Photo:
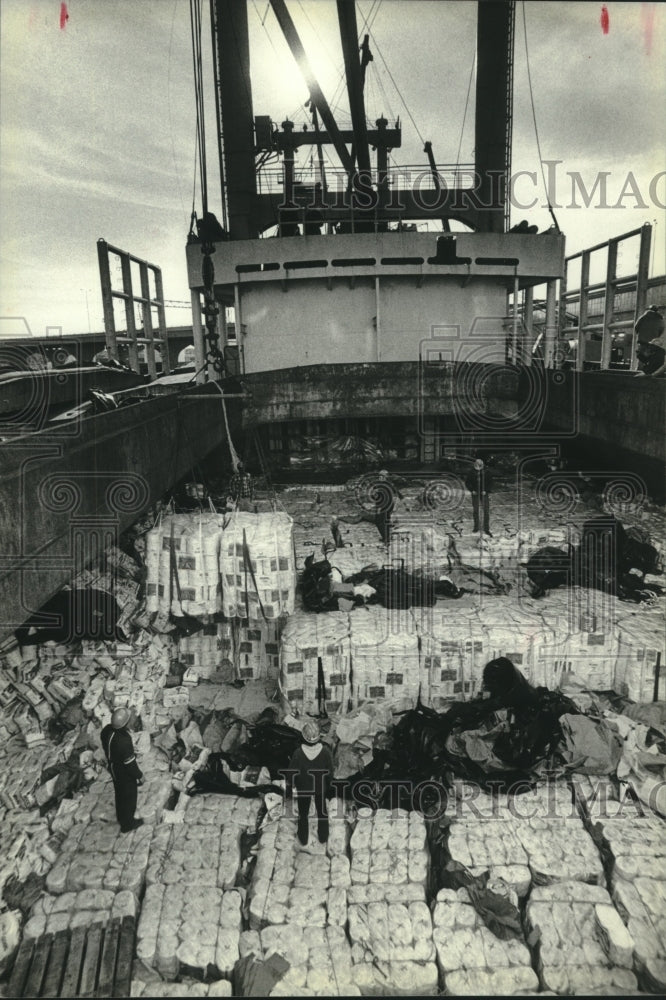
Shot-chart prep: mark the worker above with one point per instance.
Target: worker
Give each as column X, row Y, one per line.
column 479, row 481
column 125, row 773
column 241, row 487
column 311, row 767
column 383, row 494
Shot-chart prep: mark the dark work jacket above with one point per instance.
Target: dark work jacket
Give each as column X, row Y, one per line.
column 483, row 476
column 119, row 750
column 305, row 768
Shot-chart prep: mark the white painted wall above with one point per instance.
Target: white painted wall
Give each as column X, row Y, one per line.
column 309, row 324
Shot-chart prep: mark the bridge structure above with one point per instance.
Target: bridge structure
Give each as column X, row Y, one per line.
column 14, row 351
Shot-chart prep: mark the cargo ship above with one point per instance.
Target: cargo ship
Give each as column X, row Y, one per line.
column 347, row 336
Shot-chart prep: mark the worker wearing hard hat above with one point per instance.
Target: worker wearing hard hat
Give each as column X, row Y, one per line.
column 311, row 768
column 119, row 750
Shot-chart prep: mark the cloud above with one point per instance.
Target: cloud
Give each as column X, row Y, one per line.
column 98, row 119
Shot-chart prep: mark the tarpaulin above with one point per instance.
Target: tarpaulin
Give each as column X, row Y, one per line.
column 589, row 746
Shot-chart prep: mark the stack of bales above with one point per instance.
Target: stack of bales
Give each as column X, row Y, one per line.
column 185, row 988
column 535, row 838
column 182, row 562
column 51, row 914
column 257, row 566
column 456, row 643
column 200, row 653
column 582, row 945
column 422, row 549
column 590, row 655
column 640, row 640
column 319, row 959
column 198, row 929
column 310, row 643
column 451, row 658
column 389, row 922
column 494, row 846
column 301, row 887
column 203, row 854
column 474, row 961
column 221, row 810
column 93, row 856
column 251, row 647
column 195, row 932
column 635, row 848
column 385, row 657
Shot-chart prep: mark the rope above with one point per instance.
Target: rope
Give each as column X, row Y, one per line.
column 536, row 130
column 235, row 460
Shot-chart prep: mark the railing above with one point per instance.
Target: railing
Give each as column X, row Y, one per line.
column 151, row 338
column 611, row 288
column 451, row 175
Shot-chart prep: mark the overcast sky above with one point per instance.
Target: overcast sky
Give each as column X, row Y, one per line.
column 98, row 124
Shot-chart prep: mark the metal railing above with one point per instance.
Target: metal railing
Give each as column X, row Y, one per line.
column 578, row 299
column 149, row 341
column 451, row 175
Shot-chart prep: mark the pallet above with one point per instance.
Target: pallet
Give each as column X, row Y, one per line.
column 94, row 961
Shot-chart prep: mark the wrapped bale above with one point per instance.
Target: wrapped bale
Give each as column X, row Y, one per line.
column 182, row 563
column 389, row 848
column 199, row 933
column 422, row 548
column 639, row 642
column 320, row 959
column 309, row 640
column 289, row 885
column 252, row 648
column 394, row 939
column 574, row 952
column 473, row 961
column 200, row 652
column 642, row 907
column 197, row 855
column 385, row 655
column 591, row 656
column 51, row 914
column 222, row 810
column 447, row 662
column 95, row 856
column 537, row 837
column 560, row 850
column 494, row 846
column 257, row 566
column 635, row 848
column 634, row 845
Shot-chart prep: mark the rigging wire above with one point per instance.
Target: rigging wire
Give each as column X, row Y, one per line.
column 196, row 32
column 319, row 39
column 409, row 114
column 173, row 145
column 536, row 130
column 462, row 130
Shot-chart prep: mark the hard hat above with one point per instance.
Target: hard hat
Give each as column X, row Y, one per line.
column 120, row 718
column 310, row 733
